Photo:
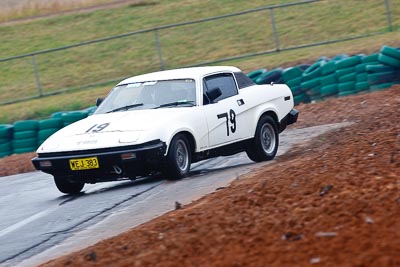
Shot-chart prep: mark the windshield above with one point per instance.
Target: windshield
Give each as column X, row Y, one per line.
column 150, row 95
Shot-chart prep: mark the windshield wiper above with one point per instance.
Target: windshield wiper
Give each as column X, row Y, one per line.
column 126, row 107
column 177, row 103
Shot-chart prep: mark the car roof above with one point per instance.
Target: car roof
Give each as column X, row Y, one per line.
column 184, row 73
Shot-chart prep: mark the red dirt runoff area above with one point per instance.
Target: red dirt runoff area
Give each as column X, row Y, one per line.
column 332, row 202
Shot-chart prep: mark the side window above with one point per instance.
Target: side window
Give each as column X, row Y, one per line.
column 242, row 80
column 225, row 82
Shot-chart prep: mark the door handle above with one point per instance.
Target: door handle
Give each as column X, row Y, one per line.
column 240, row 102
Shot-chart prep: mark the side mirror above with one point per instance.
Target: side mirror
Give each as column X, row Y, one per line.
column 99, row 101
column 214, row 94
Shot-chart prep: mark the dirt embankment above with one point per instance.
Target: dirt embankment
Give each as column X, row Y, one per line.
column 334, row 203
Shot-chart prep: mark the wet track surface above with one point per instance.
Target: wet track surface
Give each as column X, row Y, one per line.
column 39, row 223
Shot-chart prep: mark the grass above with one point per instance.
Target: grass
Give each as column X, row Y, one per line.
column 22, row 9
column 181, row 46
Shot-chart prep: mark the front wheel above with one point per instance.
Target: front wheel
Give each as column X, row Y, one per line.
column 68, row 187
column 178, row 159
column 265, row 144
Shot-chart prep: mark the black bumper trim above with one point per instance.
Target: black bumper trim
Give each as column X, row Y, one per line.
column 148, row 157
column 292, row 116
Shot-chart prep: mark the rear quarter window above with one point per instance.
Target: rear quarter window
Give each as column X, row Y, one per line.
column 242, row 80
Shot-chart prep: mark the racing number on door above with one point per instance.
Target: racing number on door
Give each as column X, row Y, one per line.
column 230, row 119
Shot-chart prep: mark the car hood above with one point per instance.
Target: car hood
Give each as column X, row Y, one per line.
column 141, row 120
column 112, row 130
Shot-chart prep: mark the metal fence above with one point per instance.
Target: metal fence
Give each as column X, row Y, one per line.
column 52, row 71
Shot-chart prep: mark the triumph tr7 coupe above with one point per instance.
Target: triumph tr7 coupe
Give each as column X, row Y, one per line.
column 162, row 122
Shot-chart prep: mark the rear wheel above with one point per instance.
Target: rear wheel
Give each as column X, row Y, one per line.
column 67, row 186
column 178, row 159
column 266, row 140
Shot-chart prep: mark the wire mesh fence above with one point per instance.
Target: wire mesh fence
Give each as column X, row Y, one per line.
column 263, row 30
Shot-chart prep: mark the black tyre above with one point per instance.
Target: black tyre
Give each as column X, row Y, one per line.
column 67, row 186
column 274, row 75
column 178, row 159
column 266, row 140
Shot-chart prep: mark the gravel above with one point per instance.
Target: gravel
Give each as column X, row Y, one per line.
column 276, row 216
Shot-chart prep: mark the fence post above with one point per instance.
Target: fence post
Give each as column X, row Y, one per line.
column 389, row 17
column 159, row 49
column 35, row 69
column 276, row 38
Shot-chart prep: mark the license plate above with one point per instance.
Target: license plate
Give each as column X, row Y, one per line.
column 84, row 164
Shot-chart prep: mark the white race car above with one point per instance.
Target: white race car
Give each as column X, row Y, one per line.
column 162, row 122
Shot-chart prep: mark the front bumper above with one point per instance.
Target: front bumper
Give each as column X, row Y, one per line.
column 113, row 163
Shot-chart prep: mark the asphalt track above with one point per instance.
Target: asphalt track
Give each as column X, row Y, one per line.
column 39, row 223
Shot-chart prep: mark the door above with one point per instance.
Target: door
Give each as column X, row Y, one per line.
column 223, row 113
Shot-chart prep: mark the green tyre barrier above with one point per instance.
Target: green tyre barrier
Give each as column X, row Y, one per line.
column 391, row 61
column 329, row 90
column 5, row 147
column 370, row 58
column 31, row 142
column 314, row 98
column 303, row 67
column 51, row 124
column 25, row 135
column 24, row 150
column 311, row 84
column 58, row 114
column 292, row 73
column 274, row 75
column 314, row 92
column 363, row 66
column 255, row 73
column 345, row 87
column 391, row 52
column 303, row 98
column 379, row 68
column 362, row 86
column 25, row 125
column 348, row 62
column 362, row 77
column 328, row 68
column 324, row 59
column 311, row 87
column 90, row 110
column 5, row 154
column 328, row 79
column 339, row 57
column 312, row 72
column 341, row 72
column 378, row 87
column 348, row 78
column 5, row 140
column 346, row 93
column 46, row 133
column 6, row 131
column 294, row 82
column 383, row 77
column 296, row 90
column 73, row 116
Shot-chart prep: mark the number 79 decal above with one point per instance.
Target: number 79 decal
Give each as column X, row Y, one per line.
column 230, row 119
